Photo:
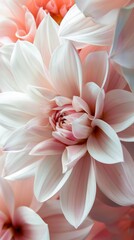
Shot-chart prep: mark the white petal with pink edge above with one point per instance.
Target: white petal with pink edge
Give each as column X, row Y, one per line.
column 103, row 144
column 49, row 178
column 71, row 155
column 78, row 194
column 48, row 30
column 66, row 71
column 27, row 63
column 48, row 147
column 96, row 68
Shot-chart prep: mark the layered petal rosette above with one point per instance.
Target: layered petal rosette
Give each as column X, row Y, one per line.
column 72, row 119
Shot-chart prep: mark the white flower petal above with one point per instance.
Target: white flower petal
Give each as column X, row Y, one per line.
column 78, row 194
column 83, row 30
column 49, row 178
column 103, row 144
column 48, row 31
column 65, row 71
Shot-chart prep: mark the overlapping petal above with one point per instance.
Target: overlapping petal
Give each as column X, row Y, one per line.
column 103, row 144
column 116, row 181
column 49, row 178
column 48, row 30
column 66, row 71
column 78, row 194
column 83, row 30
column 119, row 109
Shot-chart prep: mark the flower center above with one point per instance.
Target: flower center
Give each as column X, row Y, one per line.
column 56, row 8
column 63, row 120
column 15, row 230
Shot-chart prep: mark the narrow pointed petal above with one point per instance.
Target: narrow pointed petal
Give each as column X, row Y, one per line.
column 49, row 178
column 96, row 68
column 26, row 63
column 83, row 30
column 103, row 144
column 72, row 155
column 119, row 109
column 48, row 147
column 60, row 229
column 78, row 194
column 117, row 181
column 17, row 161
column 65, row 71
column 48, row 30
column 7, row 81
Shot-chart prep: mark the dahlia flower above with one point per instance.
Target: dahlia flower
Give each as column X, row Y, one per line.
column 73, row 120
column 18, row 220
column 68, row 111
column 20, row 19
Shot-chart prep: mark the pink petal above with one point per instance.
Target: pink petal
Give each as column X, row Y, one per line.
column 48, row 30
column 80, row 127
column 119, row 109
column 94, row 97
column 8, row 29
column 60, row 229
column 49, row 178
column 8, row 235
column 107, row 214
column 103, row 144
column 65, row 70
column 31, row 225
column 48, row 147
column 72, row 155
column 30, row 28
column 127, row 135
column 80, row 105
column 6, row 196
column 96, row 68
column 117, row 181
column 77, row 196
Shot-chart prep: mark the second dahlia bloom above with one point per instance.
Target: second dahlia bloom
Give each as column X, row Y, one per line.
column 20, row 19
column 74, row 121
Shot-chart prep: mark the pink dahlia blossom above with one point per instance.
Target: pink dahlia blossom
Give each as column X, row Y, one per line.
column 74, row 121
column 17, row 219
column 20, row 19
column 112, row 222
